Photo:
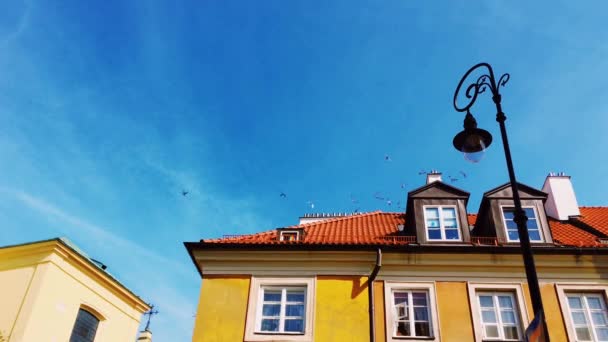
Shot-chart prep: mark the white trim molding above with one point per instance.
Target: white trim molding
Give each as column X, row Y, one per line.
column 512, row 288
column 579, row 288
column 254, row 308
column 429, row 288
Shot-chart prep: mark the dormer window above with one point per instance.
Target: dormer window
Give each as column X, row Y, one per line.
column 290, row 235
column 441, row 223
column 508, row 215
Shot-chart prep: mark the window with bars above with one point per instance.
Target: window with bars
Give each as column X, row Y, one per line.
column 499, row 316
column 282, row 310
column 589, row 316
column 441, row 223
column 508, row 215
column 85, row 327
column 411, row 315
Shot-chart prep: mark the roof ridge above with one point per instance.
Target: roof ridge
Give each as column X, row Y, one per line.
column 341, row 218
column 593, row 207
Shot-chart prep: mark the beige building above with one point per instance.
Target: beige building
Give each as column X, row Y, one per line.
column 52, row 291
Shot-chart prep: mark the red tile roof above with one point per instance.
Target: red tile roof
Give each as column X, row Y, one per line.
column 379, row 228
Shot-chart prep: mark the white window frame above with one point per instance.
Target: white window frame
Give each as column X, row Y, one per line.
column 429, row 287
column 513, row 288
column 536, row 218
column 441, row 225
column 289, row 232
column 254, row 309
column 564, row 289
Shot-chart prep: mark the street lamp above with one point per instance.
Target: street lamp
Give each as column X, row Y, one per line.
column 473, row 141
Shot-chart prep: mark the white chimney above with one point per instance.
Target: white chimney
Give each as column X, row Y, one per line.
column 433, row 176
column 561, row 203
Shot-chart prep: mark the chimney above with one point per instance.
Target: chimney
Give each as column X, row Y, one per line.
column 433, row 176
column 145, row 336
column 561, row 202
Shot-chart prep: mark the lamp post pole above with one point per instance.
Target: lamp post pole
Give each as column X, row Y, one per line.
column 473, row 90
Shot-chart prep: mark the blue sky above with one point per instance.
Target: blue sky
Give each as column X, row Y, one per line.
column 109, row 109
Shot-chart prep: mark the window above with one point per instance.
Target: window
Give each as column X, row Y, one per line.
column 587, row 312
column 498, row 315
column 410, row 311
column 85, row 327
column 508, row 214
column 282, row 310
column 499, row 312
column 280, row 306
column 441, row 223
column 289, row 235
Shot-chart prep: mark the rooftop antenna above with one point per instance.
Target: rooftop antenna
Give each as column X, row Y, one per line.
column 149, row 313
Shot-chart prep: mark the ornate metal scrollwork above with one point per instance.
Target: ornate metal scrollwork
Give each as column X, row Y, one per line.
column 483, row 82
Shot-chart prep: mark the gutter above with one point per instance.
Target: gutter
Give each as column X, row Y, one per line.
column 370, row 296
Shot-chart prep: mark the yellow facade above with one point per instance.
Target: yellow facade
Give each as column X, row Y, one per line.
column 44, row 285
column 341, row 311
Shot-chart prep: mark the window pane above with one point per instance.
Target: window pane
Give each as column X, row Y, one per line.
column 270, row 325
column 534, row 235
column 531, row 224
column 508, row 317
column 295, row 296
column 511, row 225
column 401, row 312
column 400, row 297
column 403, row 329
column 449, row 213
column 579, row 318
column 294, row 325
column 296, row 310
column 422, row 329
column 575, row 302
column 434, row 234
column 511, row 332
column 452, row 234
column 602, row 334
column 508, row 214
column 433, row 223
column 421, row 314
column 271, row 309
column 419, row 298
column 513, row 236
column 486, row 301
column 505, row 302
column 594, row 303
column 432, row 213
column 85, row 327
column 599, row 318
column 583, row 334
column 491, row 331
column 529, row 213
column 449, row 223
column 272, row 295
column 488, row 317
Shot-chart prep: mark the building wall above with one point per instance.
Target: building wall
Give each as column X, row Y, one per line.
column 342, row 311
column 43, row 296
column 454, row 311
column 222, row 309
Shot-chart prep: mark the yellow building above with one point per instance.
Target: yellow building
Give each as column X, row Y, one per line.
column 432, row 273
column 52, row 292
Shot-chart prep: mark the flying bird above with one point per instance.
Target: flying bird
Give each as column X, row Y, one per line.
column 389, row 202
column 311, row 203
column 185, row 192
column 353, row 199
column 378, row 196
column 452, row 179
column 283, row 195
column 387, row 158
column 403, row 185
column 463, row 174
column 422, row 172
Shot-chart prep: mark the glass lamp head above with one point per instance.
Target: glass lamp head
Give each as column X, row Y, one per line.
column 472, row 141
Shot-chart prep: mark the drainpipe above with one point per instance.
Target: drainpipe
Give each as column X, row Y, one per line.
column 370, row 292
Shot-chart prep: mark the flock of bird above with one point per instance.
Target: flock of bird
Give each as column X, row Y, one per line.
column 377, row 195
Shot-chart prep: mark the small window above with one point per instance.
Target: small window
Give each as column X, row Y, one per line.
column 441, row 223
column 588, row 316
column 498, row 311
column 410, row 312
column 283, row 310
column 280, row 309
column 290, row 235
column 499, row 316
column 85, row 327
column 508, row 214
